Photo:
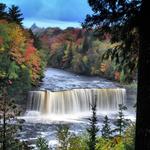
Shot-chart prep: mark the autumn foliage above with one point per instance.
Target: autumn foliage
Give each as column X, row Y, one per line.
column 82, row 52
column 17, row 44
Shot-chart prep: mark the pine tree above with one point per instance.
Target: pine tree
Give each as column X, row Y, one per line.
column 106, row 129
column 93, row 129
column 15, row 15
column 3, row 13
column 8, row 112
column 121, row 123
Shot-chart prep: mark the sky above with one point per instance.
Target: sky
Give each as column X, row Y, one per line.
column 52, row 13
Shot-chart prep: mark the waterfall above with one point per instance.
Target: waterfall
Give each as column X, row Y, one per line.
column 75, row 100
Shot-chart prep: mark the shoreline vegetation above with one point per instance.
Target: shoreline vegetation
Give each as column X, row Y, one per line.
column 82, row 52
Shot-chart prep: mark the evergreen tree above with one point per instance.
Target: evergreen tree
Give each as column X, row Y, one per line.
column 42, row 144
column 8, row 112
column 93, row 129
column 3, row 13
column 106, row 129
column 121, row 123
column 15, row 15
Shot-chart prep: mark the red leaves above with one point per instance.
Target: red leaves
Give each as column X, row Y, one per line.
column 33, row 60
column 19, row 44
column 117, row 75
column 29, row 50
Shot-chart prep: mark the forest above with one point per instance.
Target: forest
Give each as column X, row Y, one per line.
column 107, row 46
column 83, row 52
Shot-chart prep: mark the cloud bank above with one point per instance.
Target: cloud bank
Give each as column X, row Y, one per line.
column 69, row 11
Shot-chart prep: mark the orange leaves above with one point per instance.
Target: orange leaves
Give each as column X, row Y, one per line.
column 33, row 60
column 30, row 49
column 17, row 42
column 20, row 47
column 17, row 35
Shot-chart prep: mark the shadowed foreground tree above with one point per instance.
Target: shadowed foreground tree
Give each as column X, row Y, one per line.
column 127, row 19
column 8, row 130
column 3, row 14
column 106, row 128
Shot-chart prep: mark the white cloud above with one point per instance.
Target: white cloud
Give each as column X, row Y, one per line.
column 51, row 23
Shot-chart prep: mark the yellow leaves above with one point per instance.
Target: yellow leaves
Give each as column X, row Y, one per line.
column 17, row 36
column 85, row 59
column 23, row 66
column 19, row 46
column 2, row 74
column 116, row 143
column 2, row 49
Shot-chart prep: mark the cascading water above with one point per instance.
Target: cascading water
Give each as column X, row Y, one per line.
column 64, row 97
column 75, row 100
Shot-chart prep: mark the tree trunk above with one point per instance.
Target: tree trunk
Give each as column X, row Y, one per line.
column 142, row 141
column 4, row 120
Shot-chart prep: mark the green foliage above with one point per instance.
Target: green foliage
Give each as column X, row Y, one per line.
column 63, row 136
column 121, row 123
column 89, row 141
column 13, row 70
column 124, row 142
column 129, row 137
column 21, row 64
column 68, row 140
column 92, row 129
column 106, row 128
column 42, row 144
column 115, row 143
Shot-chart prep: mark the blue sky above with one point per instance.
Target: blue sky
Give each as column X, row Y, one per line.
column 44, row 13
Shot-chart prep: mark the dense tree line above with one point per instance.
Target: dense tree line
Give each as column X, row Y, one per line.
column 21, row 63
column 83, row 53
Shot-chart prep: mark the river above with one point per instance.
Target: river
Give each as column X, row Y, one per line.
column 64, row 97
